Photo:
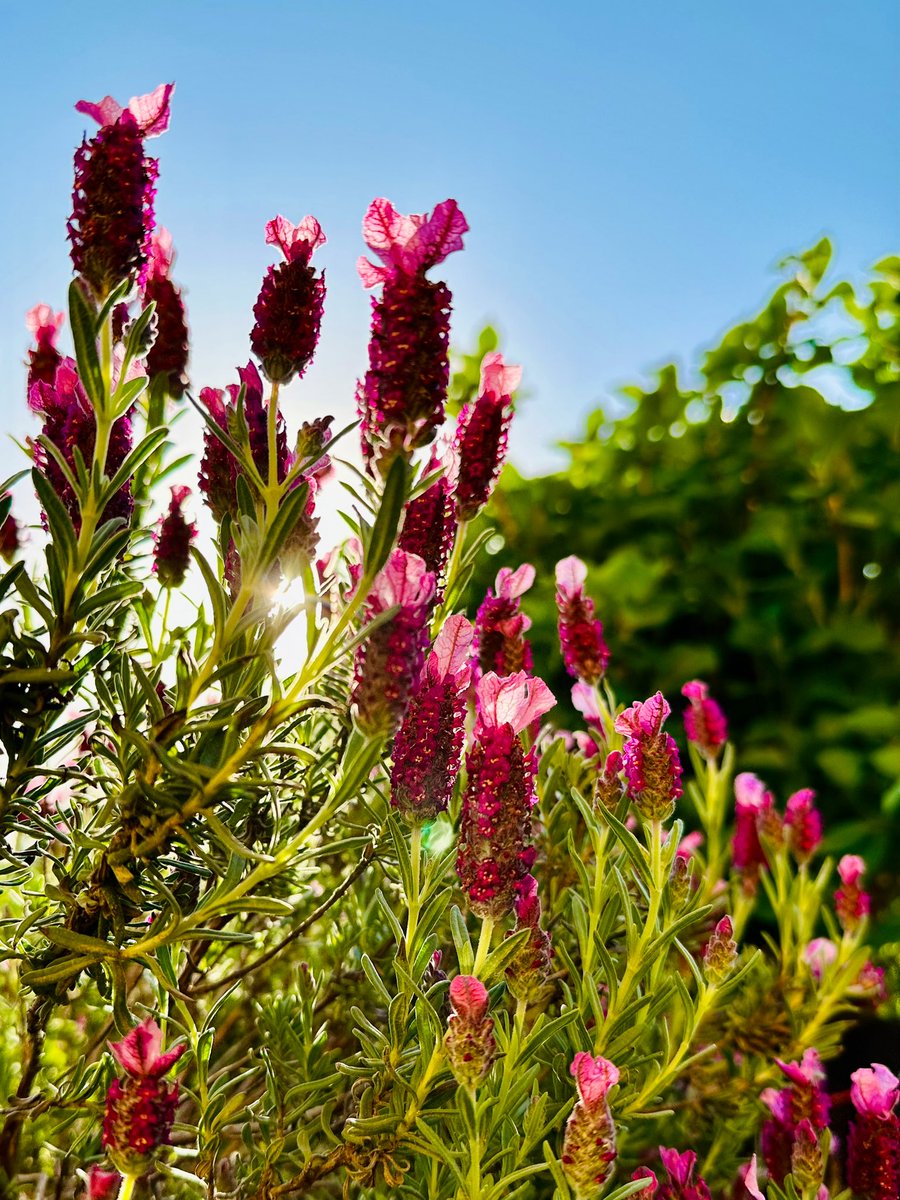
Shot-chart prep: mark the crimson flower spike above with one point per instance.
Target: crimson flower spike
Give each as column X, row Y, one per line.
column 428, row 747
column 429, row 524
column 115, row 184
column 167, row 358
column 389, row 662
column 289, row 309
column 650, row 757
column 481, row 435
column 469, row 1040
column 500, row 625
column 140, row 1107
column 401, row 399
column 172, row 541
column 495, row 852
column 580, row 633
column 704, row 721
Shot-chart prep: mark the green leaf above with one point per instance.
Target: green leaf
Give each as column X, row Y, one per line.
column 82, row 320
column 384, row 531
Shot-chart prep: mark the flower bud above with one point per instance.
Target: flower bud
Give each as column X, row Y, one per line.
column 500, row 626
column 589, row 1145
column 581, row 636
column 803, row 824
column 720, row 954
column 652, row 765
column 469, row 1039
column 704, row 721
column 851, row 903
column 527, row 974
column 807, row 1160
column 481, row 435
column 172, row 549
column 610, row 785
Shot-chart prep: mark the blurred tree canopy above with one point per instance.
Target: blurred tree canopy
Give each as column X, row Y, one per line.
column 745, row 531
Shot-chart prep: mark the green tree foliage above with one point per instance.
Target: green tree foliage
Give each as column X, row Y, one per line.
column 745, row 530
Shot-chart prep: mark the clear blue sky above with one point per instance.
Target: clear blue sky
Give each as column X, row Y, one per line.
column 631, row 171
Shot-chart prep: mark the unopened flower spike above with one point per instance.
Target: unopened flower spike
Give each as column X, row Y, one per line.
column 528, row 973
column 429, row 524
column 851, row 903
column 389, row 662
column 115, row 183
column 140, row 1107
column 469, row 1040
column 289, row 309
column 167, row 358
column 427, row 750
column 753, row 808
column 704, row 721
column 495, row 852
column 589, row 1145
column 652, row 765
column 401, row 399
column 803, row 824
column 580, row 633
column 482, row 430
column 172, row 548
column 500, row 625
column 720, row 954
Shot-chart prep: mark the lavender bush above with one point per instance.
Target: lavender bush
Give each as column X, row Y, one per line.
column 372, row 925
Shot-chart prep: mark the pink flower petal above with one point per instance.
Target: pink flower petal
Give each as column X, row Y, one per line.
column 695, row 690
column 404, row 580
column 371, row 274
column 106, row 112
column 498, row 379
column 584, row 698
column 162, row 253
column 153, row 110
column 511, row 584
column 874, row 1090
column 42, row 317
column 452, row 645
column 851, row 869
column 751, row 1182
column 437, row 236
column 571, row 574
column 306, row 237
column 139, row 1051
column 679, row 1167
column 384, row 229
column 469, row 998
column 594, row 1077
column 515, row 700
column 751, row 793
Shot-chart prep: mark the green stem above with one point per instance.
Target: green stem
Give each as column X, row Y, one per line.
column 128, row 1185
column 484, row 944
column 412, row 901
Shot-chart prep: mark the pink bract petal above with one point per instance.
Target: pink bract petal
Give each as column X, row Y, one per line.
column 851, row 869
column 435, row 238
column 689, row 844
column 404, row 580
column 874, row 1090
column 808, row 1070
column 584, row 697
column 452, row 645
column 679, row 1167
column 571, row 574
column 515, row 700
column 751, row 792
column 695, row 690
column 498, row 379
column 162, row 253
column 594, row 1077
column 371, row 274
column 385, row 230
column 42, row 317
column 307, row 236
column 511, row 584
column 469, row 998
column 139, row 1052
column 105, row 112
column 818, row 955
column 103, row 1185
column 751, row 1182
column 644, row 716
column 153, row 110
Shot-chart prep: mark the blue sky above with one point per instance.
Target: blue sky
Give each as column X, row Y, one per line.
column 631, row 171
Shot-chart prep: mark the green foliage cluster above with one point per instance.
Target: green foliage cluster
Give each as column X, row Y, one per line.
column 744, row 530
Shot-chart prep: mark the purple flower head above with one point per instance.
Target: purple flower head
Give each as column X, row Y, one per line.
column 429, row 524
column 704, row 721
column 527, row 974
column 752, row 804
column 389, row 662
column 44, row 325
column 469, row 1039
column 851, row 903
column 172, row 542
column 652, row 765
column 580, row 633
column 401, row 400
column 681, row 1184
column 500, row 625
column 873, row 1144
column 803, row 824
column 589, row 1145
column 495, row 851
column 289, row 309
column 140, row 1108
column 428, row 747
column 481, row 435
column 167, row 358
column 69, row 422
column 115, row 183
